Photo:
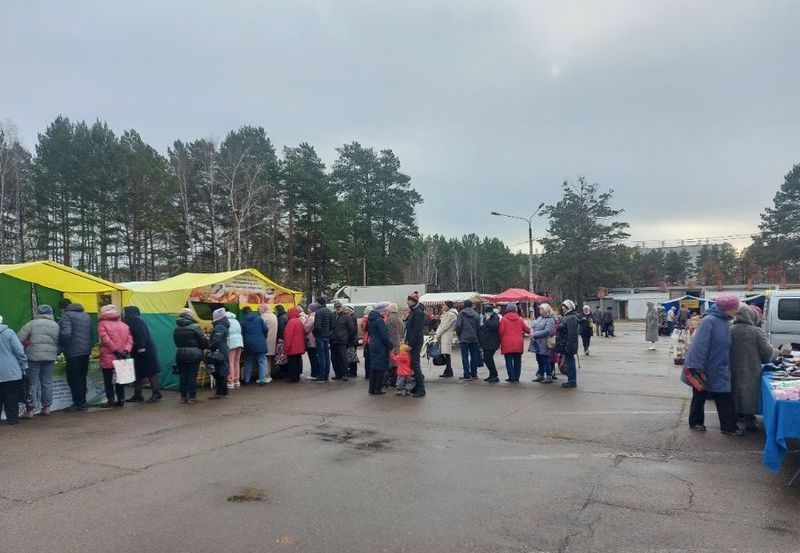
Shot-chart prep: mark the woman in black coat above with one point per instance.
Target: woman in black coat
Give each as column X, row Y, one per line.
column 145, row 356
column 217, row 354
column 379, row 347
column 190, row 342
column 489, row 339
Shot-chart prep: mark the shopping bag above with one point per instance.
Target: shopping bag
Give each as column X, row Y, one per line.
column 123, row 369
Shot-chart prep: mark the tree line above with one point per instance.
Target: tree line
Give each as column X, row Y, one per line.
column 112, row 205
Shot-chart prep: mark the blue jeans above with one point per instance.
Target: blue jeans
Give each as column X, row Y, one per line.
column 323, row 357
column 470, row 356
column 40, row 374
column 513, row 365
column 572, row 373
column 545, row 367
column 249, row 359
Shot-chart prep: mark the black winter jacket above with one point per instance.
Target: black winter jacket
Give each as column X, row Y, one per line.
column 76, row 336
column 189, row 341
column 344, row 329
column 567, row 335
column 145, row 356
column 488, row 333
column 323, row 322
column 415, row 326
column 219, row 342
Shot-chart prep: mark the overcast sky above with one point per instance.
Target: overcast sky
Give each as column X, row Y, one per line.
column 690, row 110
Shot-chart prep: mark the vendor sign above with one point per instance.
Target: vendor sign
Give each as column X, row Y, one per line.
column 690, row 304
column 242, row 289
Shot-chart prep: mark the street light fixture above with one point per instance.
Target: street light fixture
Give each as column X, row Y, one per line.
column 530, row 239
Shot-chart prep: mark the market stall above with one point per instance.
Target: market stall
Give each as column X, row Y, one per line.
column 516, row 295
column 438, row 299
column 692, row 303
column 25, row 286
column 780, row 407
column 161, row 301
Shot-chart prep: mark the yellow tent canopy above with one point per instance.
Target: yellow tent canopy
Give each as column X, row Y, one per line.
column 170, row 295
column 74, row 284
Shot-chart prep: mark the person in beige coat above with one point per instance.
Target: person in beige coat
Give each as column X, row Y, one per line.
column 272, row 334
column 446, row 335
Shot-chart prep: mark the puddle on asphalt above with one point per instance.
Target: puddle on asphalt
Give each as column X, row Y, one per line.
column 360, row 440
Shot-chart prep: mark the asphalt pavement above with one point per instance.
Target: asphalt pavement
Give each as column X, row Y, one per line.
column 473, row 467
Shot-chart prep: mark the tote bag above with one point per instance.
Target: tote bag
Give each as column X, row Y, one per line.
column 123, row 369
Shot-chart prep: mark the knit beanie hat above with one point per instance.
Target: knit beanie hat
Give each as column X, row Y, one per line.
column 186, row 312
column 725, row 303
column 381, row 306
column 44, row 310
column 449, row 303
column 511, row 308
column 219, row 314
column 467, row 303
column 321, row 301
column 569, row 304
column 313, row 307
column 414, row 296
column 103, row 310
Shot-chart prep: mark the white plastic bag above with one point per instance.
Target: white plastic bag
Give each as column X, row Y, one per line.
column 123, row 369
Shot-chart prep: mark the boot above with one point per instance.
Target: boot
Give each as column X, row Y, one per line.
column 155, row 397
column 137, row 397
column 448, row 373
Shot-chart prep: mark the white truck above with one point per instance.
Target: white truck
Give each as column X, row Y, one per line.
column 782, row 318
column 361, row 296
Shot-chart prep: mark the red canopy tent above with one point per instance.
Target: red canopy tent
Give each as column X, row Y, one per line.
column 515, row 295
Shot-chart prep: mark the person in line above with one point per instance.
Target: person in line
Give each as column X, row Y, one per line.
column 671, row 318
column 489, row 339
column 217, row 355
column 749, row 350
column 651, row 326
column 190, row 342
column 543, row 332
column 415, row 336
column 76, row 343
column 396, row 329
column 405, row 374
column 116, row 342
column 13, row 365
column 294, row 343
column 567, row 341
column 512, row 331
column 467, row 324
column 235, row 346
column 352, row 343
column 145, row 356
column 281, row 360
column 597, row 318
column 340, row 338
column 323, row 329
column 365, row 339
column 311, row 342
column 446, row 335
column 254, row 335
column 380, row 348
column 709, row 354
column 40, row 337
column 608, row 323
column 586, row 330
column 271, row 321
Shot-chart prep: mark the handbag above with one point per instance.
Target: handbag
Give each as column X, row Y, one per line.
column 280, row 354
column 551, row 342
column 124, row 371
column 562, row 365
column 352, row 358
column 213, row 357
column 695, row 379
column 440, row 360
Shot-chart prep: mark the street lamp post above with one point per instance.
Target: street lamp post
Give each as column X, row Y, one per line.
column 530, row 240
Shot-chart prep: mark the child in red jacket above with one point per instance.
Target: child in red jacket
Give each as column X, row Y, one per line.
column 405, row 374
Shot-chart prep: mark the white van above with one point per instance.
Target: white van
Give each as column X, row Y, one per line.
column 782, row 318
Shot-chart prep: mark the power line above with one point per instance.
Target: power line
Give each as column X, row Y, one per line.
column 668, row 242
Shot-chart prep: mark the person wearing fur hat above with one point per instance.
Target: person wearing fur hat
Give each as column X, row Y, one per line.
column 190, row 342
column 218, row 352
column 41, row 337
column 415, row 336
column 567, row 341
column 709, row 356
